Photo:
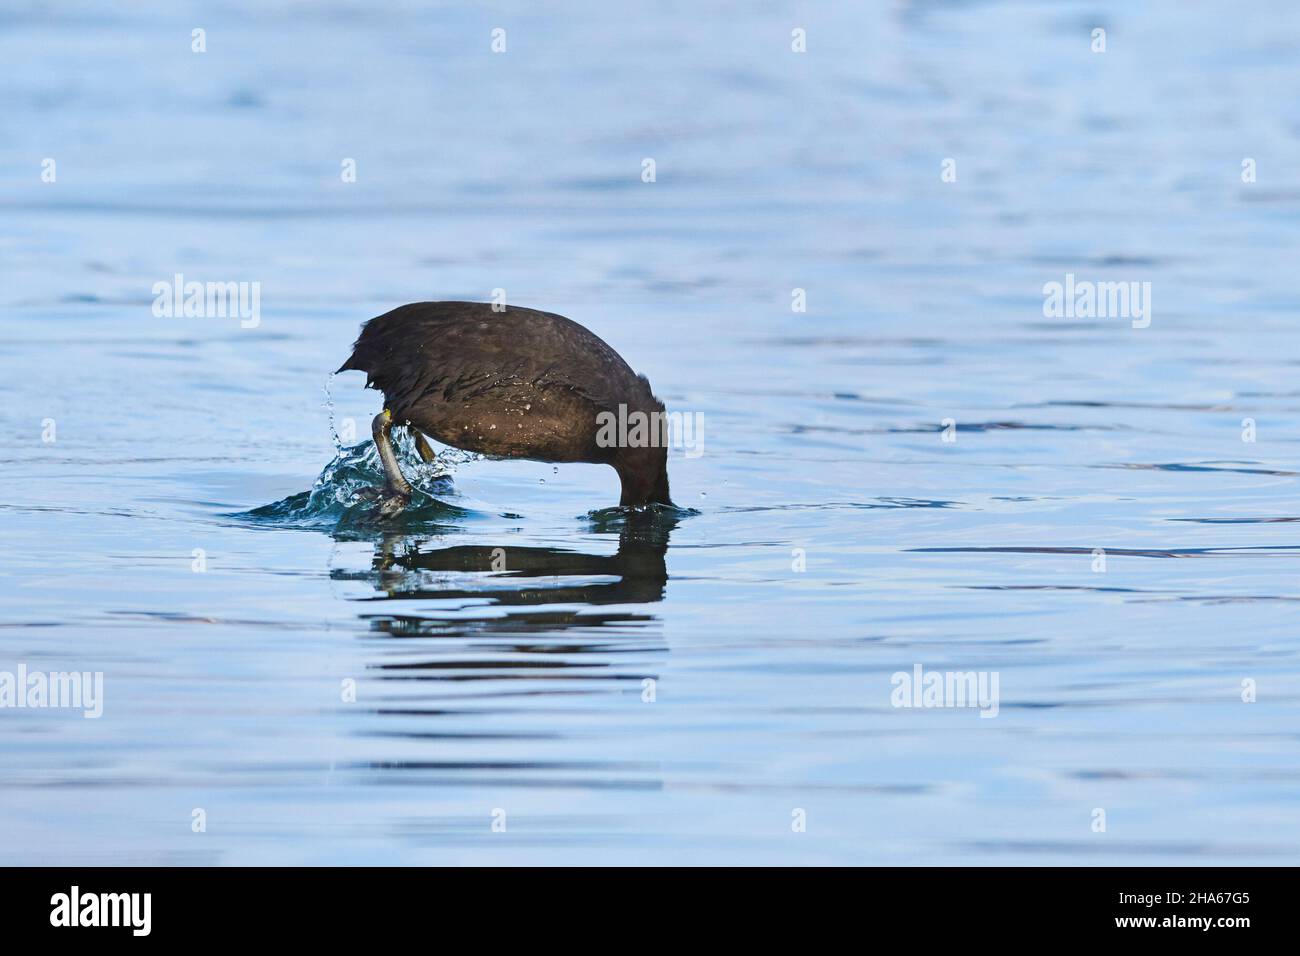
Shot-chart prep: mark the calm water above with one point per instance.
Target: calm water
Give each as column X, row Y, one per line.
column 519, row 695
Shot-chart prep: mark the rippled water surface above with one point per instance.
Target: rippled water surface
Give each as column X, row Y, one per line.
column 610, row 688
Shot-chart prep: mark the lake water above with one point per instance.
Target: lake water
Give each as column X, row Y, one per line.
column 1106, row 524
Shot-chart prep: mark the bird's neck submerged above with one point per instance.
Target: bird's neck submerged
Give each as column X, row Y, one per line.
column 644, row 474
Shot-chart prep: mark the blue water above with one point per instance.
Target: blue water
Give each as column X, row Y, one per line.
column 503, row 713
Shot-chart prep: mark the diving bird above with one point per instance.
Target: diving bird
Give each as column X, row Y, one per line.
column 510, row 383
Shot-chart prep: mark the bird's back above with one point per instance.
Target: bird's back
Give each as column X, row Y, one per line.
column 513, row 383
column 450, row 350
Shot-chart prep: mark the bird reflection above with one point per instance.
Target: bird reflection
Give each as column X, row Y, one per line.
column 410, row 567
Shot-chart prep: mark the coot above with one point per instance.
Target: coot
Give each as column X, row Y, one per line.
column 514, row 383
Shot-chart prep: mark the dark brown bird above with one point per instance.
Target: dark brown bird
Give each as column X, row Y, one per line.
column 515, row 383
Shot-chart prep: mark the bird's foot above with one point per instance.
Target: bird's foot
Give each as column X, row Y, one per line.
column 390, row 502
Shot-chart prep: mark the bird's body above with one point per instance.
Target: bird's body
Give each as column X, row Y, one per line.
column 514, row 383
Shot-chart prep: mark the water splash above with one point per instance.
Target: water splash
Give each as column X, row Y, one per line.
column 328, row 405
column 334, row 499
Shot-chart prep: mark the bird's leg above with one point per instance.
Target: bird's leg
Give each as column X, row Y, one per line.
column 395, row 495
column 422, row 446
